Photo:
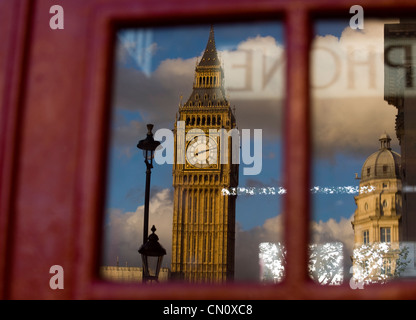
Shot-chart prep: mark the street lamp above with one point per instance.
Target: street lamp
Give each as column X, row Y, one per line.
column 148, row 146
column 152, row 255
column 150, row 248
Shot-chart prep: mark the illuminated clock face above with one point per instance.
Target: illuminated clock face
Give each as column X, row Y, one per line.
column 201, row 152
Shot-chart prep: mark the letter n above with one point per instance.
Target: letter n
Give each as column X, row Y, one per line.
column 57, row 21
column 57, row 280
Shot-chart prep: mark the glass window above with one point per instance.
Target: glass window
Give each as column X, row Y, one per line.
column 361, row 102
column 386, row 269
column 163, row 77
column 366, row 237
column 385, row 235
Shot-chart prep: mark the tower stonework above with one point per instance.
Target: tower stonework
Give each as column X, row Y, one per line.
column 203, row 235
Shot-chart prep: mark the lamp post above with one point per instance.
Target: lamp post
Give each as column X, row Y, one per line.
column 150, row 246
column 148, row 145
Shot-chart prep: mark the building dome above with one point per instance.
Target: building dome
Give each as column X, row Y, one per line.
column 383, row 164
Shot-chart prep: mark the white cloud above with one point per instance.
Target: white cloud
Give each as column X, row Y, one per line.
column 255, row 70
column 334, row 231
column 349, row 111
column 124, row 230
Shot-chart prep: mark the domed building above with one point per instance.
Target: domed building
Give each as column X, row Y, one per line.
column 377, row 219
column 379, row 202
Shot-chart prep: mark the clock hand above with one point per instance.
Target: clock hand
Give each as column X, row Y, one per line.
column 197, row 153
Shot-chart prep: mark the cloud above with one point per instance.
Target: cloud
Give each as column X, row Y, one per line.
column 123, row 236
column 156, row 97
column 334, row 231
column 348, row 107
column 124, row 230
column 247, row 242
column 247, row 247
column 255, row 69
column 351, row 126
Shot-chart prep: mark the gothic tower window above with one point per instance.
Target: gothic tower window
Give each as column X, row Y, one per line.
column 205, row 208
column 204, row 249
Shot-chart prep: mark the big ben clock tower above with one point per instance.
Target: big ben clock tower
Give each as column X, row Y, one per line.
column 203, row 237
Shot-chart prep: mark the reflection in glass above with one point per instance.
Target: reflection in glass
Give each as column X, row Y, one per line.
column 214, row 95
column 362, row 130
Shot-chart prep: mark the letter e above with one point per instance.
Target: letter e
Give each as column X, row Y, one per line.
column 57, row 280
column 57, row 21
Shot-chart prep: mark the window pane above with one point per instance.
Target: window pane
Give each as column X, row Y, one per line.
column 363, row 168
column 214, row 95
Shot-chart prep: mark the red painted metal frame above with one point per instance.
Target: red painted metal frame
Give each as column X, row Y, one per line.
column 54, row 89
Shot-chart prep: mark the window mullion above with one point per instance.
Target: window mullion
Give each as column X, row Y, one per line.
column 297, row 146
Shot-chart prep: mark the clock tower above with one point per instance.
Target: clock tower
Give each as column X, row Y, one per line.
column 203, row 237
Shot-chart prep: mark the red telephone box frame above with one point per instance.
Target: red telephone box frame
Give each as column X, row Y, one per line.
column 54, row 90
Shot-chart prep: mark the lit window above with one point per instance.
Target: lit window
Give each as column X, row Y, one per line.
column 386, row 269
column 385, row 235
column 366, row 237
